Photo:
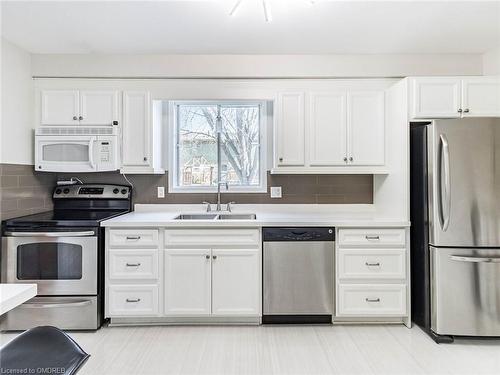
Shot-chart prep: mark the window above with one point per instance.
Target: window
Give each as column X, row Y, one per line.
column 217, row 142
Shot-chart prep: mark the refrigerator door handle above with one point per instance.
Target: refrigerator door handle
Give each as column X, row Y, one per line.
column 445, row 169
column 460, row 258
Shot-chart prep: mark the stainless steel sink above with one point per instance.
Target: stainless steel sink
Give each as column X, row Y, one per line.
column 196, row 217
column 237, row 217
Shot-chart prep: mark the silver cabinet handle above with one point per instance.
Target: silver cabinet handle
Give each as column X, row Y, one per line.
column 372, row 299
column 75, row 118
column 372, row 238
column 51, row 234
column 133, row 264
column 466, row 110
column 214, row 257
column 133, row 237
column 80, row 118
column 37, row 305
column 459, row 110
column 345, row 159
column 460, row 258
column 372, row 264
column 351, row 158
column 133, row 300
column 145, row 158
column 445, row 159
column 207, row 256
column 280, row 159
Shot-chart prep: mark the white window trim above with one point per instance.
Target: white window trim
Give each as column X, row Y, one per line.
column 173, row 186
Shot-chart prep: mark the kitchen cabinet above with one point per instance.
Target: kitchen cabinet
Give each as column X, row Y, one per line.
column 79, row 107
column 235, row 284
column 141, row 134
column 289, row 135
column 344, row 132
column 187, row 282
column 454, row 97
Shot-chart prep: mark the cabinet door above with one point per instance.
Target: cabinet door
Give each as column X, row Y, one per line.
column 235, row 282
column 481, row 97
column 187, row 282
column 327, row 129
column 436, row 97
column 289, row 138
column 98, row 107
column 59, row 107
column 136, row 128
column 366, row 128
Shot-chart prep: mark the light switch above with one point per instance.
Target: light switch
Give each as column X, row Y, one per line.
column 161, row 191
column 275, row 191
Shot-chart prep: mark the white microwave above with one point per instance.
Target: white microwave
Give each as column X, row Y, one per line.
column 63, row 149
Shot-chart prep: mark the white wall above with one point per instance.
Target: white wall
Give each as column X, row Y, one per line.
column 17, row 105
column 491, row 62
column 254, row 66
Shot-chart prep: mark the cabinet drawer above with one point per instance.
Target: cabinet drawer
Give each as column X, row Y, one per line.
column 133, row 264
column 371, row 300
column 133, row 237
column 133, row 300
column 210, row 237
column 371, row 263
column 372, row 237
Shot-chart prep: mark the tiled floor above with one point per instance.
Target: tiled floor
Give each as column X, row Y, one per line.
column 281, row 350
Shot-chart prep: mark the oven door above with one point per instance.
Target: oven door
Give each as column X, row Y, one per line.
column 60, row 263
column 65, row 153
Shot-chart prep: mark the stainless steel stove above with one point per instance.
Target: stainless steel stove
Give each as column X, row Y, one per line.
column 62, row 251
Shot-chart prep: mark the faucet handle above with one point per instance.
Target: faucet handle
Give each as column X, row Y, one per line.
column 209, row 206
column 229, row 206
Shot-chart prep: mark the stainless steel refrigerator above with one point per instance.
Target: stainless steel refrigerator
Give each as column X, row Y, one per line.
column 455, row 236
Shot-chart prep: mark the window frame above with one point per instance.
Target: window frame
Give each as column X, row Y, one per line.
column 173, row 183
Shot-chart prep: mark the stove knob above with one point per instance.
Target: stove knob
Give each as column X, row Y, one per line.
column 124, row 191
column 115, row 191
column 58, row 191
column 66, row 191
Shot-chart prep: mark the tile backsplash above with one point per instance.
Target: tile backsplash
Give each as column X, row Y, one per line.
column 24, row 191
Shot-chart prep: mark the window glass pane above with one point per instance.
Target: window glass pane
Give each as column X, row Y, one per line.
column 49, row 261
column 240, row 164
column 197, row 145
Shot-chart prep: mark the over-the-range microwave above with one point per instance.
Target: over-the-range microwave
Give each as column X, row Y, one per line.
column 76, row 149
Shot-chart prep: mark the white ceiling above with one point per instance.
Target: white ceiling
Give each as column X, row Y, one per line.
column 204, row 27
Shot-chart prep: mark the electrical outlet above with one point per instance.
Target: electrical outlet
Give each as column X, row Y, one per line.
column 275, row 191
column 161, row 191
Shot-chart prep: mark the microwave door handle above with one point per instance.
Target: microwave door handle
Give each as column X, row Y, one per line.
column 87, row 233
column 91, row 152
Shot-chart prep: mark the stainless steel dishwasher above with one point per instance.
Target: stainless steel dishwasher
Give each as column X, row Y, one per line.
column 298, row 275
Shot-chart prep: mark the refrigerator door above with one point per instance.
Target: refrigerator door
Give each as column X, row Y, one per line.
column 465, row 291
column 464, row 182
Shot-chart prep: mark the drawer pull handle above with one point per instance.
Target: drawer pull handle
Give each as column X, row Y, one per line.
column 372, row 238
column 133, row 264
column 133, row 300
column 372, row 264
column 133, row 237
column 372, row 299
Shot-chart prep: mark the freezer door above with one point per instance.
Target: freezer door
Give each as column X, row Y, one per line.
column 464, row 182
column 465, row 291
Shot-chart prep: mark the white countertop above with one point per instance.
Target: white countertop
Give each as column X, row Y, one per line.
column 13, row 295
column 163, row 215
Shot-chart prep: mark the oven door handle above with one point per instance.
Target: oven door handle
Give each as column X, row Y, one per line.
column 87, row 233
column 35, row 305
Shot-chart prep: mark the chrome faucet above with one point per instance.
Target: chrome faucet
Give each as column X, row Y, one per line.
column 218, row 193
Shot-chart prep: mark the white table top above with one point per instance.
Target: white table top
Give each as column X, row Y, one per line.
column 13, row 295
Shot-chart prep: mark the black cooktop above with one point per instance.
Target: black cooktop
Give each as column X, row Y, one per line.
column 65, row 218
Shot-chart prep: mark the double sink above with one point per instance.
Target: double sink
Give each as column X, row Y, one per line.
column 216, row 217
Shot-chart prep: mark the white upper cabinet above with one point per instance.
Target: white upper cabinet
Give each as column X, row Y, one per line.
column 454, row 97
column 76, row 107
column 235, row 282
column 481, row 97
column 98, row 107
column 289, row 150
column 59, row 107
column 436, row 97
column 327, row 129
column 366, row 128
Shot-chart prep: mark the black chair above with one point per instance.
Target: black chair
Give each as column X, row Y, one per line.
column 42, row 348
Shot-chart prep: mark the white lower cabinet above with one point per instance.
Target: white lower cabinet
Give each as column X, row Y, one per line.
column 187, row 282
column 235, row 282
column 371, row 300
column 133, row 300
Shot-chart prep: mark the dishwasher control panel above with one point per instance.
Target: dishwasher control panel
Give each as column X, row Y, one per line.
column 298, row 234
